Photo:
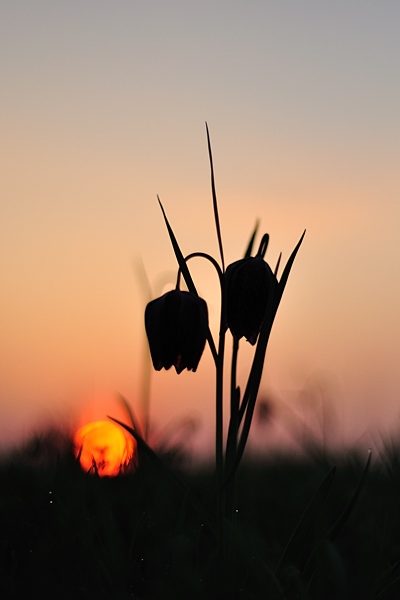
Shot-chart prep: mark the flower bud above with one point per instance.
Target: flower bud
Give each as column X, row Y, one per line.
column 176, row 327
column 248, row 282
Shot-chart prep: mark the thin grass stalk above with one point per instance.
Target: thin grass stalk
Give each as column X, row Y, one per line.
column 146, row 359
column 386, row 579
column 306, row 521
column 132, row 417
column 145, row 391
column 340, row 523
column 342, row 520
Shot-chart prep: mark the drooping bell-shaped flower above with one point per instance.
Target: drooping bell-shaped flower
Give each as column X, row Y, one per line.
column 176, row 327
column 249, row 282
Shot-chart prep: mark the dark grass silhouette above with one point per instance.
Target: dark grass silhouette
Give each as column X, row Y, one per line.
column 69, row 534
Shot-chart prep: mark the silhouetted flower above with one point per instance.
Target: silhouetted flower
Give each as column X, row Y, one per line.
column 249, row 283
column 176, row 327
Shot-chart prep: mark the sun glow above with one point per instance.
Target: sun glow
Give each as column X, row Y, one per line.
column 104, row 448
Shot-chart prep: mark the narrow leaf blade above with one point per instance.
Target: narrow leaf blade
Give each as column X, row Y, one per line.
column 340, row 523
column 185, row 272
column 215, row 204
column 304, row 526
column 286, row 271
column 251, row 241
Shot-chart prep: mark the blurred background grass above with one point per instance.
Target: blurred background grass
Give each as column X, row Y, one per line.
column 69, row 534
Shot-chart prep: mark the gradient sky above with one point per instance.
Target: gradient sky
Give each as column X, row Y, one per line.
column 103, row 107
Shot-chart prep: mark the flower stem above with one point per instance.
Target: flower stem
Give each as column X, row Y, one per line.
column 219, row 422
column 219, row 451
column 231, row 445
column 219, row 427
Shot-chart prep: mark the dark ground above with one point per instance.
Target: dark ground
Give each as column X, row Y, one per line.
column 66, row 534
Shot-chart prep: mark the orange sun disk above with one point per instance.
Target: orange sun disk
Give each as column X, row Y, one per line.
column 103, row 446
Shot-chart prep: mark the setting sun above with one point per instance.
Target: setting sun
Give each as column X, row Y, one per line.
column 104, row 447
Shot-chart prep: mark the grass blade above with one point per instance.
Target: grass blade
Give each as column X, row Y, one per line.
column 327, row 541
column 186, row 274
column 387, row 579
column 304, row 526
column 286, row 271
column 179, row 256
column 132, row 417
column 249, row 248
column 340, row 523
column 215, row 204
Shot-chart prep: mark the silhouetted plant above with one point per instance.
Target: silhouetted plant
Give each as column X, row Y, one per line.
column 177, row 328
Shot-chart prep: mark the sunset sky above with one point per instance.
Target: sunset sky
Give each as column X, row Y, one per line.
column 103, row 106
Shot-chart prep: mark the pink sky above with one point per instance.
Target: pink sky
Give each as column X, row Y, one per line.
column 103, row 107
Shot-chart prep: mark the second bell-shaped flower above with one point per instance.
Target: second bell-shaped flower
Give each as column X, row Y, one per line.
column 176, row 327
column 249, row 282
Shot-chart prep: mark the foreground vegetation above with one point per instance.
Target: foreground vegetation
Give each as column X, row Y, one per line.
column 70, row 534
